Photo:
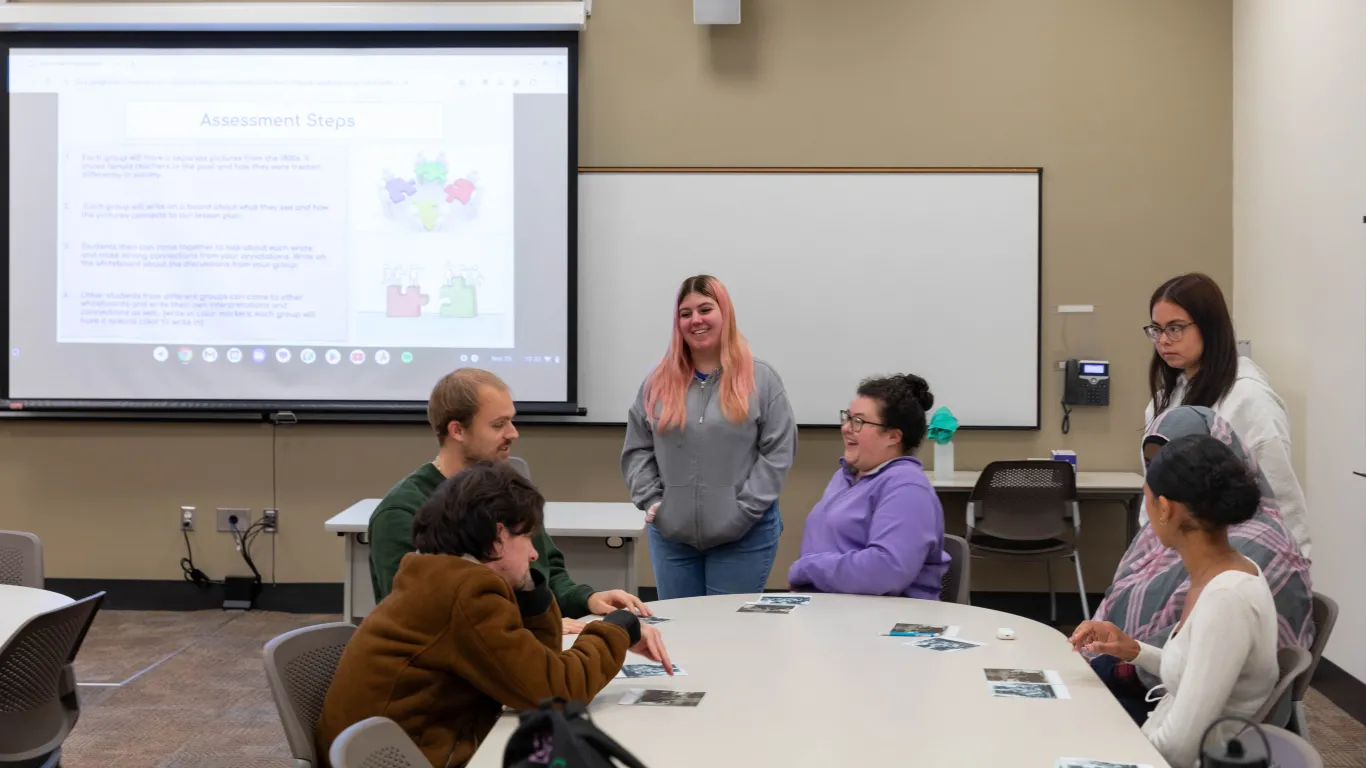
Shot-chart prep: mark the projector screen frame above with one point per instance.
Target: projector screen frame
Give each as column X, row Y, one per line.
column 287, row 411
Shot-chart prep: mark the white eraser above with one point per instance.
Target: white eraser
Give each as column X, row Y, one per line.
column 1005, row 633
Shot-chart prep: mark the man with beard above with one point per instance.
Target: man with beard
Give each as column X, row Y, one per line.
column 471, row 411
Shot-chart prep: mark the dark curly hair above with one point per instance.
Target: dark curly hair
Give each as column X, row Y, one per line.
column 462, row 517
column 1202, row 473
column 902, row 402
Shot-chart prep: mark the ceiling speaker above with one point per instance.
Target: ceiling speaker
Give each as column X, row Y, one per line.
column 716, row 11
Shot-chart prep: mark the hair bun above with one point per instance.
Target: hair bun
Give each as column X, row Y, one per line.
column 1205, row 475
column 920, row 390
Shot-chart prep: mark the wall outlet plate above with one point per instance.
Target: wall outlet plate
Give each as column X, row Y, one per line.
column 187, row 518
column 225, row 514
column 270, row 520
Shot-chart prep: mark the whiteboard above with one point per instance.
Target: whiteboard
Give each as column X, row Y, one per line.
column 835, row 276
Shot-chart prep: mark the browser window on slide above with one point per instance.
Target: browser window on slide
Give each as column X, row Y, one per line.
column 234, row 224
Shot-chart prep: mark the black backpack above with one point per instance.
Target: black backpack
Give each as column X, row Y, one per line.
column 559, row 734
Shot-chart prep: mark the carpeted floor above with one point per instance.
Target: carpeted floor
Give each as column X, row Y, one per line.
column 187, row 690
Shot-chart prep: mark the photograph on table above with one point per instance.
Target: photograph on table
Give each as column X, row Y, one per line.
column 647, row 669
column 758, row 608
column 1026, row 684
column 653, row 619
column 922, row 630
column 655, row 697
column 944, row 644
column 783, row 600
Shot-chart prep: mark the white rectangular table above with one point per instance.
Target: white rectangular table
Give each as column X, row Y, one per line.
column 1121, row 487
column 585, row 532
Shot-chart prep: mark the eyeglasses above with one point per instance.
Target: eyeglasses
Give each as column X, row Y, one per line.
column 1173, row 332
column 856, row 422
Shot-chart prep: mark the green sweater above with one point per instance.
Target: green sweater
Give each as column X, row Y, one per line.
column 391, row 537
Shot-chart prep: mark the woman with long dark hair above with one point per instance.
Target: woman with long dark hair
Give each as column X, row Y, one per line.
column 1195, row 362
column 709, row 442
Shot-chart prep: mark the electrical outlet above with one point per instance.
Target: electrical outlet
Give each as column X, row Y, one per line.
column 270, row 520
column 226, row 516
column 187, row 518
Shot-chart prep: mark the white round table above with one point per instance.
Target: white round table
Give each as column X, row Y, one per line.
column 19, row 604
column 821, row 686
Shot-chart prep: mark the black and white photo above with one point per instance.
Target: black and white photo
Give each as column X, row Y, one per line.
column 919, row 630
column 1016, row 675
column 655, row 697
column 944, row 644
column 1023, row 691
column 764, row 608
column 653, row 619
column 647, row 669
column 783, row 600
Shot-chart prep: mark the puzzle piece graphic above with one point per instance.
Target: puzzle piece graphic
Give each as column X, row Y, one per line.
column 430, row 170
column 399, row 188
column 460, row 299
column 405, row 302
column 461, row 190
column 428, row 212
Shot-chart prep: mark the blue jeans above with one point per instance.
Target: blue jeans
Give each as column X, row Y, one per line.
column 738, row 568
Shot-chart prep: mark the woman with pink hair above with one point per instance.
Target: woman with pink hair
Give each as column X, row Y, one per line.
column 709, row 442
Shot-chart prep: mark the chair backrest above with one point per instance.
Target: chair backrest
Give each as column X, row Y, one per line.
column 518, row 463
column 1293, row 663
column 376, row 742
column 1325, row 616
column 299, row 668
column 1024, row 500
column 36, row 709
column 1287, row 749
column 958, row 578
column 21, row 559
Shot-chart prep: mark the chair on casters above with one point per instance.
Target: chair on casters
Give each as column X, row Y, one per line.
column 1287, row 749
column 299, row 668
column 1294, row 664
column 958, row 578
column 21, row 559
column 1019, row 509
column 38, row 702
column 1325, row 616
column 376, row 742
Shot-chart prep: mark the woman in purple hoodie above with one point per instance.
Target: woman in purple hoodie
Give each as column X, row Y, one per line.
column 879, row 528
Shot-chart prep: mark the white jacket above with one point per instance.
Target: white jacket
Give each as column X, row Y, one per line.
column 1258, row 415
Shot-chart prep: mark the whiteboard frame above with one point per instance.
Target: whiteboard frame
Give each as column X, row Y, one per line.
column 589, row 421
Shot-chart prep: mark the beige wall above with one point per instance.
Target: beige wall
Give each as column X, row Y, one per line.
column 1298, row 242
column 1126, row 105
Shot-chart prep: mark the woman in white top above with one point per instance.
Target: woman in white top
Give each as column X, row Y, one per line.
column 1195, row 362
column 1221, row 657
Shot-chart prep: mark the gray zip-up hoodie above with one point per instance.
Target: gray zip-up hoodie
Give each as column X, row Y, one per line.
column 715, row 478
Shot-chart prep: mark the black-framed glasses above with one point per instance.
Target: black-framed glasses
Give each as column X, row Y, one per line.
column 1174, row 332
column 856, row 422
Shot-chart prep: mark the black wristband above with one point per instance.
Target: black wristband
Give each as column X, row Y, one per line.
column 538, row 599
column 627, row 621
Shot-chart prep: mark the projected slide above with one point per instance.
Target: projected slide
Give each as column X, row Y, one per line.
column 234, row 225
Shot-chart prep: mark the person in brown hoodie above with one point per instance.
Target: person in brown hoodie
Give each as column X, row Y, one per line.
column 471, row 627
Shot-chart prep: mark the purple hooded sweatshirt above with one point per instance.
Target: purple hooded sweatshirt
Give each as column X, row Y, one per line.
column 882, row 534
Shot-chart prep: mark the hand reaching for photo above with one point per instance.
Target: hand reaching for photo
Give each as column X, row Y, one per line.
column 1104, row 637
column 603, row 603
column 571, row 626
column 651, row 646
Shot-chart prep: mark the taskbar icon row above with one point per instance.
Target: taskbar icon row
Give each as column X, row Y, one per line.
column 281, row 355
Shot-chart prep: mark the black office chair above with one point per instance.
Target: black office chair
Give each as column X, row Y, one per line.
column 1022, row 510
